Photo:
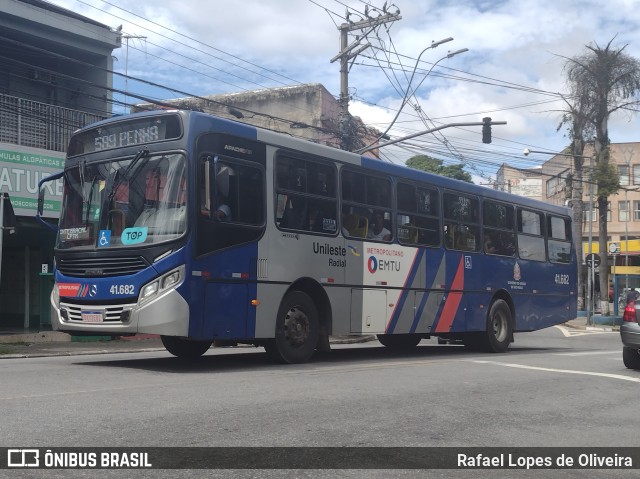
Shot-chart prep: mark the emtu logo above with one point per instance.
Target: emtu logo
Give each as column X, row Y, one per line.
column 372, row 264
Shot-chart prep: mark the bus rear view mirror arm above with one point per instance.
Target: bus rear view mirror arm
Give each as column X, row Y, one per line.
column 41, row 199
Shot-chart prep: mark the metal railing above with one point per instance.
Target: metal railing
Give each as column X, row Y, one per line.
column 40, row 125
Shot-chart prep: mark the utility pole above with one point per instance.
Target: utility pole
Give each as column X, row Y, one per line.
column 349, row 52
column 126, row 63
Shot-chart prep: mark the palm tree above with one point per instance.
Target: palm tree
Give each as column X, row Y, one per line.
column 609, row 80
column 576, row 116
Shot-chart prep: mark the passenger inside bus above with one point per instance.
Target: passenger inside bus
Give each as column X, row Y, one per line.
column 355, row 225
column 489, row 248
column 223, row 211
column 378, row 232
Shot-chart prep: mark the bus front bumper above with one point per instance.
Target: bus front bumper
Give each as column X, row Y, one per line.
column 166, row 315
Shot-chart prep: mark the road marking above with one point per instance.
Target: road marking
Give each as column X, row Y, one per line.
column 588, row 353
column 564, row 371
column 571, row 332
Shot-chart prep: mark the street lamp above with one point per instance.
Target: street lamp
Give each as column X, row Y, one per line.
column 411, row 91
column 590, row 269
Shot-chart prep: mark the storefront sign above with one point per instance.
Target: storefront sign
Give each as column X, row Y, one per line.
column 21, row 168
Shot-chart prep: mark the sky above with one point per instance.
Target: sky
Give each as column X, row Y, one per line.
column 513, row 70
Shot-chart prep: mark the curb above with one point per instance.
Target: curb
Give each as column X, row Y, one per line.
column 51, row 354
column 48, row 347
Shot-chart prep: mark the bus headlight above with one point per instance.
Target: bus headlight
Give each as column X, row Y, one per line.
column 171, row 279
column 158, row 286
column 149, row 291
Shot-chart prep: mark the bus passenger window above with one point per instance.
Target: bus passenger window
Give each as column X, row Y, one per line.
column 559, row 242
column 531, row 235
column 498, row 220
column 305, row 196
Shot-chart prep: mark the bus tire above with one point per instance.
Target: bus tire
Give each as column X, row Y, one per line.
column 297, row 330
column 499, row 328
column 185, row 348
column 399, row 341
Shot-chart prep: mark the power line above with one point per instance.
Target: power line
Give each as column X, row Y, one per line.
column 193, row 40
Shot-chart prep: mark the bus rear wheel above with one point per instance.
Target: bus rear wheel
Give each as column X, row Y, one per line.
column 185, row 348
column 499, row 330
column 297, row 330
column 399, row 341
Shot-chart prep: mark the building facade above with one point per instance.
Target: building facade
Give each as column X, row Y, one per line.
column 57, row 77
column 623, row 213
column 305, row 111
column 520, row 181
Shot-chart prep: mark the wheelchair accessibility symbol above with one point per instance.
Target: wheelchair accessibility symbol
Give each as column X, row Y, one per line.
column 104, row 238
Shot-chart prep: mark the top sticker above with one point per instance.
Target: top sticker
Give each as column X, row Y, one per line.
column 134, row 235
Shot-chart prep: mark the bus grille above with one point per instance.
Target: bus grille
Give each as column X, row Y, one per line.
column 111, row 313
column 100, row 267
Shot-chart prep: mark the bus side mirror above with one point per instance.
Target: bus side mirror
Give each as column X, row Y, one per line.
column 40, row 201
column 6, row 213
column 41, row 193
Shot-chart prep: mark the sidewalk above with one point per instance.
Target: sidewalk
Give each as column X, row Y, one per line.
column 581, row 323
column 55, row 343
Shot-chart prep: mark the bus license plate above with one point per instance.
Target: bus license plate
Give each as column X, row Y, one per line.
column 92, row 317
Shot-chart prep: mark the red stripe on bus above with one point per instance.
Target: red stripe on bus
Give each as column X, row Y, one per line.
column 453, row 301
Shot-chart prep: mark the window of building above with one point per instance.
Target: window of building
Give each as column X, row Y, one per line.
column 636, row 174
column 590, row 215
column 623, row 211
column 552, row 186
column 636, row 210
column 623, row 171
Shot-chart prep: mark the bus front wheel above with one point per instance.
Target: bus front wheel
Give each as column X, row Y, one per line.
column 297, row 330
column 185, row 348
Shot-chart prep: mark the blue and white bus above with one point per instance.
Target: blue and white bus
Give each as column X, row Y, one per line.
column 201, row 229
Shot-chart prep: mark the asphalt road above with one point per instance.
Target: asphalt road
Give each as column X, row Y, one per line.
column 556, row 387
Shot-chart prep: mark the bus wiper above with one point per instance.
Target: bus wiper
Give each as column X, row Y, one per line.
column 93, row 182
column 120, row 179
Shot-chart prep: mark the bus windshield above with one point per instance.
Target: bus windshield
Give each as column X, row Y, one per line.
column 125, row 202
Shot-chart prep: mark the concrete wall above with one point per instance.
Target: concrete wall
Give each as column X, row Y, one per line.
column 42, row 38
column 311, row 112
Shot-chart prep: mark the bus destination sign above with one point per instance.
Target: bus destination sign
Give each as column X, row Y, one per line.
column 127, row 133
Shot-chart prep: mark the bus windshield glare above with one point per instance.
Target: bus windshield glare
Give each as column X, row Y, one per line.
column 125, row 202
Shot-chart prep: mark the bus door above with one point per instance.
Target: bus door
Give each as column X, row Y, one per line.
column 231, row 220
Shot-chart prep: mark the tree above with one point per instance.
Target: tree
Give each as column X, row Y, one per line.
column 609, row 80
column 577, row 116
column 434, row 165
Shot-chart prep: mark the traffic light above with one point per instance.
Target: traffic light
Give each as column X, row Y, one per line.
column 486, row 130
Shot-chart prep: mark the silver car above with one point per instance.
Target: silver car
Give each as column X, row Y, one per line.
column 630, row 335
